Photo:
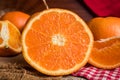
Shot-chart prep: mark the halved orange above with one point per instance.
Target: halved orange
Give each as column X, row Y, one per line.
column 56, row 42
column 106, row 53
column 10, row 39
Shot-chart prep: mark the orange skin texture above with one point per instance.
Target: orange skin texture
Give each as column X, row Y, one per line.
column 18, row 18
column 104, row 27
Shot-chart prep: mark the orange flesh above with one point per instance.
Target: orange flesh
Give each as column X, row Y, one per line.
column 53, row 56
column 107, row 53
column 1, row 40
column 14, row 40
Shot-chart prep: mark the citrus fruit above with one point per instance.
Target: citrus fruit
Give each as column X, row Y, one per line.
column 105, row 27
column 56, row 42
column 106, row 53
column 18, row 18
column 10, row 39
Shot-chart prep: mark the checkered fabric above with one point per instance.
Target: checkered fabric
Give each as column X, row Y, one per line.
column 93, row 73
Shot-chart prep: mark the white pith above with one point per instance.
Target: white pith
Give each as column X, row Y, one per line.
column 58, row 40
column 4, row 34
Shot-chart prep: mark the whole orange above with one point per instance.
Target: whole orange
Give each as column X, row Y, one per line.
column 18, row 18
column 105, row 27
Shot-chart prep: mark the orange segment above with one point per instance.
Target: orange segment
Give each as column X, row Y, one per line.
column 15, row 37
column 10, row 39
column 106, row 53
column 56, row 42
column 1, row 40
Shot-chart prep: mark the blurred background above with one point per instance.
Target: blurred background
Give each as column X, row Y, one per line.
column 32, row 6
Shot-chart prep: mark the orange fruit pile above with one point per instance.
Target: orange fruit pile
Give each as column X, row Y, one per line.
column 106, row 49
column 18, row 18
column 10, row 39
column 56, row 42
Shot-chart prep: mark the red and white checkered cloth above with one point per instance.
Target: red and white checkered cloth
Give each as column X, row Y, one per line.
column 93, row 73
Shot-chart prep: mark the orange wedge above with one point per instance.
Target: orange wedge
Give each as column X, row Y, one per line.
column 106, row 53
column 10, row 39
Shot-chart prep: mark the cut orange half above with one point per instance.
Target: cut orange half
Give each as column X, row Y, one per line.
column 56, row 42
column 10, row 39
column 106, row 53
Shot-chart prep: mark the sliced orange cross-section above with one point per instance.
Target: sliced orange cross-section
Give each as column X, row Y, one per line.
column 56, row 42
